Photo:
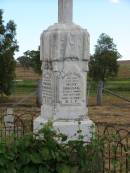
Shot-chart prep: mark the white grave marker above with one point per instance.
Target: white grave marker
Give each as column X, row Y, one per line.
column 9, row 118
column 64, row 52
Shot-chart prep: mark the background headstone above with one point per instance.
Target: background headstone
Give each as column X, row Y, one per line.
column 9, row 118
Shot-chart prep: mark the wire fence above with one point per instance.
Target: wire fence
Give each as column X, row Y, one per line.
column 112, row 93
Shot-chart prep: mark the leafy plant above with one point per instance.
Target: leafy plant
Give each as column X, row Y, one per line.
column 49, row 152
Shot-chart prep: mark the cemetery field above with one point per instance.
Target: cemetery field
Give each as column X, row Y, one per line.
column 121, row 87
column 113, row 109
column 118, row 113
column 124, row 69
column 24, row 87
column 26, row 80
column 115, row 115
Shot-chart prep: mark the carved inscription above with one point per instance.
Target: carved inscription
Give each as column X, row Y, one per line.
column 71, row 90
column 47, row 87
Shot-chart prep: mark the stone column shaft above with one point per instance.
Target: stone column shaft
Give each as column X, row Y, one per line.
column 65, row 11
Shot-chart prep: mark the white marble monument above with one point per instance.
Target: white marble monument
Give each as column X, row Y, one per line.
column 64, row 52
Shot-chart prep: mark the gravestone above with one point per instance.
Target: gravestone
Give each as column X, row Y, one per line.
column 64, row 52
column 9, row 119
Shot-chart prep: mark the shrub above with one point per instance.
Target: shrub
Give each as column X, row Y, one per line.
column 43, row 153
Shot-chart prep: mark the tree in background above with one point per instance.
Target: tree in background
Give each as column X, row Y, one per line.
column 103, row 64
column 25, row 60
column 8, row 46
column 31, row 59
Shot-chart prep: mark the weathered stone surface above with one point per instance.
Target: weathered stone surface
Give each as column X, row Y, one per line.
column 9, row 119
column 64, row 41
column 65, row 8
column 65, row 56
column 64, row 52
column 69, row 128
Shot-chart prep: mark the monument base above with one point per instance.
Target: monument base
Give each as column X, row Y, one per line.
column 69, row 127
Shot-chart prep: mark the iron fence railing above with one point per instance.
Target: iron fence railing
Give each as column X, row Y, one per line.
column 116, row 152
column 14, row 126
column 116, row 149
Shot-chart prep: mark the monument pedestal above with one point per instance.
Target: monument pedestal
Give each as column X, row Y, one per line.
column 68, row 127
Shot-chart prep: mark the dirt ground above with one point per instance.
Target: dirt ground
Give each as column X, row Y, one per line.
column 112, row 111
column 110, row 114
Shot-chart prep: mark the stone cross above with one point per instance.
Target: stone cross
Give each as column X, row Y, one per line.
column 65, row 11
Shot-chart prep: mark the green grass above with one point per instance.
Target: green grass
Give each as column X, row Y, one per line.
column 24, row 87
column 26, row 83
column 120, row 87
